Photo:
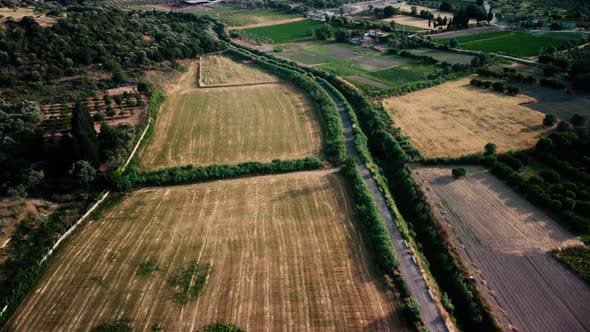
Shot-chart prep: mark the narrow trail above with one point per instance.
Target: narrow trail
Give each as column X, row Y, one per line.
column 408, row 267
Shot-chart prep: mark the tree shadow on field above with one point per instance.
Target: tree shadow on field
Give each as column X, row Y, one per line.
column 535, row 128
column 443, row 180
column 525, row 209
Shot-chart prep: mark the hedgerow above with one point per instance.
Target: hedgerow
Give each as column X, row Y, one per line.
column 136, row 177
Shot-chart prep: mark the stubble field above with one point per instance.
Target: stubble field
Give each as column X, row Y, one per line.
column 504, row 241
column 203, row 126
column 282, row 250
column 216, row 70
column 455, row 119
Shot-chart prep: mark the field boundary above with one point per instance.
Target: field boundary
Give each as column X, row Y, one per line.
column 202, row 85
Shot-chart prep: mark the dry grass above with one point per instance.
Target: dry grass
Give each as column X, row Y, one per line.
column 504, row 240
column 455, row 119
column 411, row 21
column 283, row 251
column 18, row 13
column 231, row 125
column 221, row 70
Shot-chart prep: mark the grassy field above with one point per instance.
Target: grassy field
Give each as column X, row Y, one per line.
column 231, row 125
column 283, row 33
column 220, row 70
column 403, row 74
column 366, row 68
column 455, row 119
column 443, row 56
column 504, row 241
column 282, row 251
column 508, row 42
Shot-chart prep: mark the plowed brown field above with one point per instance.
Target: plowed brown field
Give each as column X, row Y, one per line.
column 504, row 240
column 455, row 119
column 284, row 253
column 202, row 126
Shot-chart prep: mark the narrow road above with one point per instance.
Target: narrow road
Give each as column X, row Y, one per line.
column 408, row 267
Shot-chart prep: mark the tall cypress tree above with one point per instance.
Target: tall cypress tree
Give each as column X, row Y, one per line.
column 84, row 134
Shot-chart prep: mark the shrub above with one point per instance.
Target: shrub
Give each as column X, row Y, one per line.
column 459, row 172
column 486, row 84
column 512, row 90
column 549, row 119
column 489, row 149
column 550, row 176
column 413, row 311
column 498, row 86
column 475, row 82
column 278, row 49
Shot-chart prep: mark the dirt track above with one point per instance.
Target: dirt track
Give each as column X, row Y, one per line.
column 285, row 255
column 504, row 239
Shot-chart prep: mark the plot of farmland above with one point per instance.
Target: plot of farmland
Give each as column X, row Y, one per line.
column 232, row 125
column 509, row 42
column 443, row 56
column 222, row 70
column 283, row 251
column 455, row 119
column 504, row 240
column 366, row 68
column 283, row 33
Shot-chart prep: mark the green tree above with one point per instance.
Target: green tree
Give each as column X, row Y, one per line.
column 389, row 11
column 83, row 172
column 490, row 149
column 84, row 134
column 342, row 35
column 453, row 43
column 324, row 32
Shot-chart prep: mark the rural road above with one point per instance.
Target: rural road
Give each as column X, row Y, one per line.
column 408, row 267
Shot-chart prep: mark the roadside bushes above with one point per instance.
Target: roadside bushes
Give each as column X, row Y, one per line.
column 136, row 177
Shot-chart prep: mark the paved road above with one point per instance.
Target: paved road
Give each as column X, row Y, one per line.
column 408, row 268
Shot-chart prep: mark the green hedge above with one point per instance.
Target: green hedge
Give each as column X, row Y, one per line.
column 136, row 177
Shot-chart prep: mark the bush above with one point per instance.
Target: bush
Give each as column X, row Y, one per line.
column 489, row 149
column 498, row 86
column 475, row 82
column 459, row 172
column 549, row 119
column 512, row 90
column 550, row 176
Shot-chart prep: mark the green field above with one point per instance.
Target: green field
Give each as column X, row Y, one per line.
column 283, row 33
column 366, row 68
column 443, row 56
column 403, row 74
column 508, row 42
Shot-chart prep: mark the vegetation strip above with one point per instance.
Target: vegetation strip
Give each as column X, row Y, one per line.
column 137, row 177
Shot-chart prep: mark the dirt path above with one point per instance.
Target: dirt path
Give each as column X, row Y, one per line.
column 265, row 24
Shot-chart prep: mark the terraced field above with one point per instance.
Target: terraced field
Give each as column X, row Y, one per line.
column 283, row 254
column 203, row 126
column 455, row 119
column 504, row 241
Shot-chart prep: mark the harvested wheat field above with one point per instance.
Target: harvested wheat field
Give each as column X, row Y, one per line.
column 503, row 241
column 218, row 70
column 455, row 119
column 282, row 252
column 202, row 126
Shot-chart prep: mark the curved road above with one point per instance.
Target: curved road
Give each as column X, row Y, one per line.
column 408, row 267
